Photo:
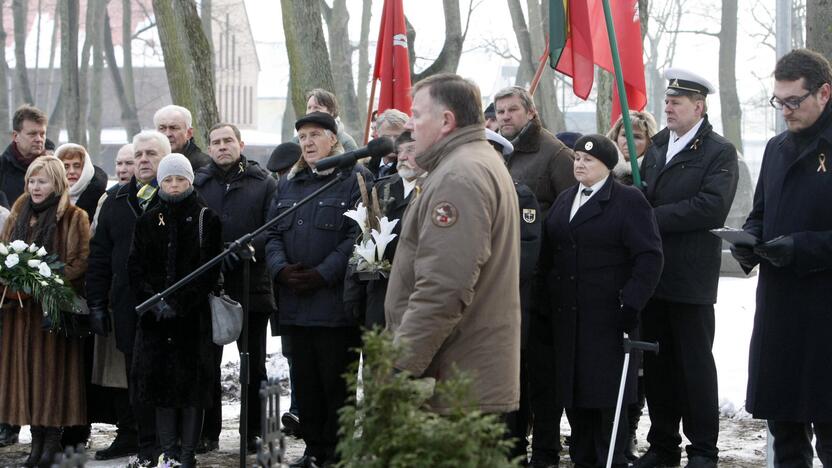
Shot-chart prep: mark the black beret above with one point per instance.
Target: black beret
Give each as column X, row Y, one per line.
column 49, row 145
column 284, row 156
column 599, row 147
column 321, row 119
column 490, row 113
column 568, row 138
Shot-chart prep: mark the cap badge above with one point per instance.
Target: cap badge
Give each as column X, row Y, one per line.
column 674, row 83
column 588, row 146
column 444, row 214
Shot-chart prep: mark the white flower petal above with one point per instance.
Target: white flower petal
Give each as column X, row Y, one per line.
column 12, row 260
column 41, row 252
column 19, row 245
column 34, row 263
column 33, row 248
column 3, row 249
column 359, row 215
column 44, row 270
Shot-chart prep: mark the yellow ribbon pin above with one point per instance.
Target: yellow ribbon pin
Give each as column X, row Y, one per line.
column 821, row 162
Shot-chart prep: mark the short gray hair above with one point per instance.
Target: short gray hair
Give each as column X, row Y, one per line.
column 128, row 148
column 185, row 113
column 154, row 136
column 525, row 98
column 393, row 117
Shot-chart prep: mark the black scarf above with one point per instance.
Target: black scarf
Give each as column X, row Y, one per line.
column 803, row 137
column 42, row 232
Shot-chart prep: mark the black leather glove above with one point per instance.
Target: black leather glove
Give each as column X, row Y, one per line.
column 99, row 320
column 627, row 318
column 308, row 280
column 230, row 262
column 286, row 275
column 778, row 251
column 745, row 256
column 162, row 311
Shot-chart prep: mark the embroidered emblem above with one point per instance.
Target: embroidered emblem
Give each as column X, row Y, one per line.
column 821, row 162
column 161, row 220
column 529, row 215
column 444, row 214
column 588, row 146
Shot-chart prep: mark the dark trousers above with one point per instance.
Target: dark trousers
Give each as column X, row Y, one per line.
column 681, row 381
column 145, row 417
column 212, row 425
column 518, row 421
column 321, row 356
column 286, row 350
column 591, row 430
column 546, row 413
column 793, row 443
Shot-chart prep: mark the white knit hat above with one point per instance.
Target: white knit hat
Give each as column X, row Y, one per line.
column 175, row 164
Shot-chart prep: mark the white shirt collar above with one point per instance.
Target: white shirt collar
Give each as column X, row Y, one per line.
column 408, row 186
column 677, row 143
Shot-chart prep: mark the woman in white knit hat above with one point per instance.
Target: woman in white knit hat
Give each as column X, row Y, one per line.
column 173, row 369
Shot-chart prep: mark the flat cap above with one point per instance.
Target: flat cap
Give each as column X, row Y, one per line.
column 321, row 119
column 681, row 82
column 284, row 156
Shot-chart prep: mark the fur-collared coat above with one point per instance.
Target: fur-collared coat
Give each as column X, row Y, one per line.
column 173, row 359
column 41, row 373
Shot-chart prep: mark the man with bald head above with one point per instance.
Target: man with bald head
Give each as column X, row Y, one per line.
column 175, row 122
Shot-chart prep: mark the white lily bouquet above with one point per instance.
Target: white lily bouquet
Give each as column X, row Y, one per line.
column 368, row 255
column 30, row 270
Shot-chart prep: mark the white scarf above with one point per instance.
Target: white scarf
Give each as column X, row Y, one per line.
column 86, row 173
column 677, row 143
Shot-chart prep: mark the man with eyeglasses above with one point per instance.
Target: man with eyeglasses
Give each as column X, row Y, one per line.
column 690, row 174
column 790, row 362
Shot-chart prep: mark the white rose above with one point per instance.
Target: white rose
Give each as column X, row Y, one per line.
column 3, row 249
column 44, row 283
column 33, row 248
column 41, row 252
column 44, row 270
column 19, row 246
column 34, row 263
column 12, row 260
column 59, row 281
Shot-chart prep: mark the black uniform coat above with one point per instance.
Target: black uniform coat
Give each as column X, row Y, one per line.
column 195, row 155
column 691, row 195
column 319, row 236
column 12, row 174
column 88, row 200
column 369, row 295
column 531, row 224
column 173, row 359
column 108, row 284
column 790, row 364
column 609, row 254
column 242, row 199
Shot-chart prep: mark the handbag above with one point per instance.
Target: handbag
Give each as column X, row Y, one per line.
column 226, row 313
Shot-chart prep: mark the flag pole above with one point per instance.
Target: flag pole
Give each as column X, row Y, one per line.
column 539, row 72
column 622, row 94
column 370, row 111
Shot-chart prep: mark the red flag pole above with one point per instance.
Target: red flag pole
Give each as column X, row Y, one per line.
column 539, row 72
column 370, row 111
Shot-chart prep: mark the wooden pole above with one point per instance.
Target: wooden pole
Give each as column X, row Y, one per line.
column 540, row 67
column 369, row 112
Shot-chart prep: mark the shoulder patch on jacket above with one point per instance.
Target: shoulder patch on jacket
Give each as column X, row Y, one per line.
column 529, row 215
column 444, row 214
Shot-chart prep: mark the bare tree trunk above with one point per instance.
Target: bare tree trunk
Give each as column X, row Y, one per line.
column 57, row 118
column 188, row 62
column 525, row 72
column 127, row 52
column 96, row 30
column 287, row 125
column 364, row 62
column 5, row 124
column 70, row 90
column 818, row 29
column 129, row 116
column 84, row 66
column 19, row 12
column 643, row 17
column 53, row 46
column 340, row 56
column 729, row 101
column 207, row 22
column 37, row 53
column 309, row 65
column 545, row 97
column 448, row 59
column 603, row 99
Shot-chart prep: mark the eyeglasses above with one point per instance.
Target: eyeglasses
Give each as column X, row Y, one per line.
column 790, row 103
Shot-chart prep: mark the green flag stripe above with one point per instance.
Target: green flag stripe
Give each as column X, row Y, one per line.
column 558, row 27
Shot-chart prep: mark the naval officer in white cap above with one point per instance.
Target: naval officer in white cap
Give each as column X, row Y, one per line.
column 690, row 175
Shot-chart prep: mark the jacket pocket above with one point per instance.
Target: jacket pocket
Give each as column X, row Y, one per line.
column 281, row 206
column 329, row 214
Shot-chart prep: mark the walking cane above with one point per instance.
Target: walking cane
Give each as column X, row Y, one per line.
column 628, row 346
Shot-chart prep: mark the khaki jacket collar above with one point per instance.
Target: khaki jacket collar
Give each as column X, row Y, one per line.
column 434, row 155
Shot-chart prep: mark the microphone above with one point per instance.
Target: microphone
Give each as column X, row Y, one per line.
column 381, row 146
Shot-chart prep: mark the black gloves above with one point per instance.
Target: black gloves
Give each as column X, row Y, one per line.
column 745, row 256
column 286, row 275
column 230, row 262
column 99, row 320
column 778, row 251
column 627, row 318
column 308, row 280
column 162, row 311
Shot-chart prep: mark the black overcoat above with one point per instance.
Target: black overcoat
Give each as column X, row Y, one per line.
column 608, row 254
column 88, row 200
column 107, row 281
column 242, row 200
column 173, row 359
column 691, row 195
column 790, row 363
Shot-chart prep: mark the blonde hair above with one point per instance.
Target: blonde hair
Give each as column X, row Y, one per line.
column 643, row 121
column 53, row 168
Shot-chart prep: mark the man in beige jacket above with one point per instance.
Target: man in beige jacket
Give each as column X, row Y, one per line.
column 453, row 298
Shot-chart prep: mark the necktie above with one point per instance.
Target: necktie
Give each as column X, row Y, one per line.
column 587, row 192
column 145, row 194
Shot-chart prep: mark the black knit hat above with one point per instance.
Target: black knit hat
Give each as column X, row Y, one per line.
column 568, row 138
column 284, row 156
column 490, row 113
column 321, row 119
column 599, row 147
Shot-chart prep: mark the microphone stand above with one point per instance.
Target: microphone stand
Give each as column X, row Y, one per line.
column 242, row 247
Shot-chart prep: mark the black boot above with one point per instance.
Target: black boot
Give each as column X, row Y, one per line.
column 36, row 449
column 191, row 429
column 8, row 434
column 51, row 446
column 73, row 436
column 125, row 443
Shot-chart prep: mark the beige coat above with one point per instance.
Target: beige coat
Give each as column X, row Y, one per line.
column 453, row 298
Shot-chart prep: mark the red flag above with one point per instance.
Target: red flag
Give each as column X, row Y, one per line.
column 392, row 65
column 588, row 44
